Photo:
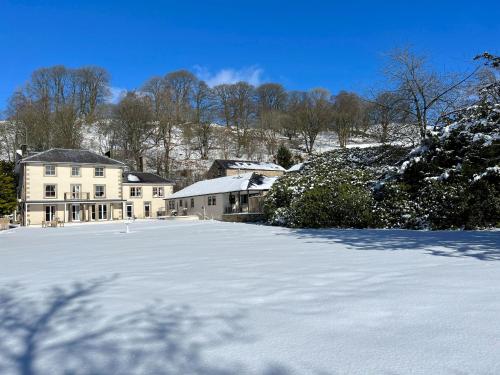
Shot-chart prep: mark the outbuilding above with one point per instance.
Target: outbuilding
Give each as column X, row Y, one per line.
column 221, row 196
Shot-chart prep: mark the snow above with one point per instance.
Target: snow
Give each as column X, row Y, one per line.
column 223, row 185
column 133, row 178
column 295, row 167
column 264, row 166
column 224, row 298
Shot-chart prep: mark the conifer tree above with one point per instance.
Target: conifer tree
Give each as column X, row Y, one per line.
column 284, row 157
column 7, row 189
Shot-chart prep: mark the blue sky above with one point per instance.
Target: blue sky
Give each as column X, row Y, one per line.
column 302, row 44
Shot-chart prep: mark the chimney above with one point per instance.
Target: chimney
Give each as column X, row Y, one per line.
column 24, row 150
column 141, row 164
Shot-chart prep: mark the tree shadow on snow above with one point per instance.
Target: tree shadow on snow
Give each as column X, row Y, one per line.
column 481, row 245
column 66, row 332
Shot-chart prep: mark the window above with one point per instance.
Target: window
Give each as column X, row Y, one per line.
column 244, row 199
column 75, row 171
column 99, row 191
column 158, row 192
column 135, row 191
column 210, row 200
column 50, row 191
column 213, row 201
column 102, row 211
column 130, row 210
column 192, row 202
column 50, row 213
column 50, row 170
column 171, row 205
column 75, row 191
column 99, row 172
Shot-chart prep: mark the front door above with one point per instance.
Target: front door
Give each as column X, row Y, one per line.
column 147, row 209
column 130, row 210
column 92, row 212
column 102, row 211
column 75, row 212
column 50, row 213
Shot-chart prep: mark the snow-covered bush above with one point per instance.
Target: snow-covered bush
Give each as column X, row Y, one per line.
column 451, row 180
column 333, row 189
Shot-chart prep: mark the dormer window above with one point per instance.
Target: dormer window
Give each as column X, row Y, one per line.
column 50, row 170
column 99, row 172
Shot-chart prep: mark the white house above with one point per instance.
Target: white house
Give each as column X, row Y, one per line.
column 221, row 196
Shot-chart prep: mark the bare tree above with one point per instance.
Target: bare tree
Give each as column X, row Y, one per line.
column 429, row 95
column 52, row 108
column 202, row 117
column 271, row 103
column 236, row 107
column 310, row 112
column 135, row 128
column 350, row 116
column 223, row 103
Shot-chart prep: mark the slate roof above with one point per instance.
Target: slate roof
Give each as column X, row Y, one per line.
column 248, row 164
column 76, row 156
column 144, row 178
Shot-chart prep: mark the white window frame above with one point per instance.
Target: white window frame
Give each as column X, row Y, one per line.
column 52, row 212
column 137, row 192
column 49, row 174
column 76, row 191
column 101, row 209
column 131, row 205
column 104, row 191
column 160, row 191
column 148, row 204
column 45, row 191
column 99, row 175
column 79, row 171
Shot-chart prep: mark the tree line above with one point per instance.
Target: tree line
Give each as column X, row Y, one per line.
column 59, row 105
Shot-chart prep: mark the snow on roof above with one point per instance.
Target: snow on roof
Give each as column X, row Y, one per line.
column 248, row 164
column 132, row 178
column 247, row 181
column 144, row 177
column 296, row 167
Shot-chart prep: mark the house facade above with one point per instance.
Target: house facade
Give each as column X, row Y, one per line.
column 224, row 168
column 144, row 194
column 66, row 185
column 221, row 196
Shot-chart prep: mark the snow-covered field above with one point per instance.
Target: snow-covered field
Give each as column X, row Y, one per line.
column 221, row 298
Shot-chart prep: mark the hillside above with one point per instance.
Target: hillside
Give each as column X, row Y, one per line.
column 451, row 180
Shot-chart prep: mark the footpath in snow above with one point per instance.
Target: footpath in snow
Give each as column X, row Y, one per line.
column 223, row 298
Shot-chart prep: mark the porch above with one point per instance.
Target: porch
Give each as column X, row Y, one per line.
column 45, row 212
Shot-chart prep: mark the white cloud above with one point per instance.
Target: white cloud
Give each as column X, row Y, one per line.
column 116, row 94
column 252, row 75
